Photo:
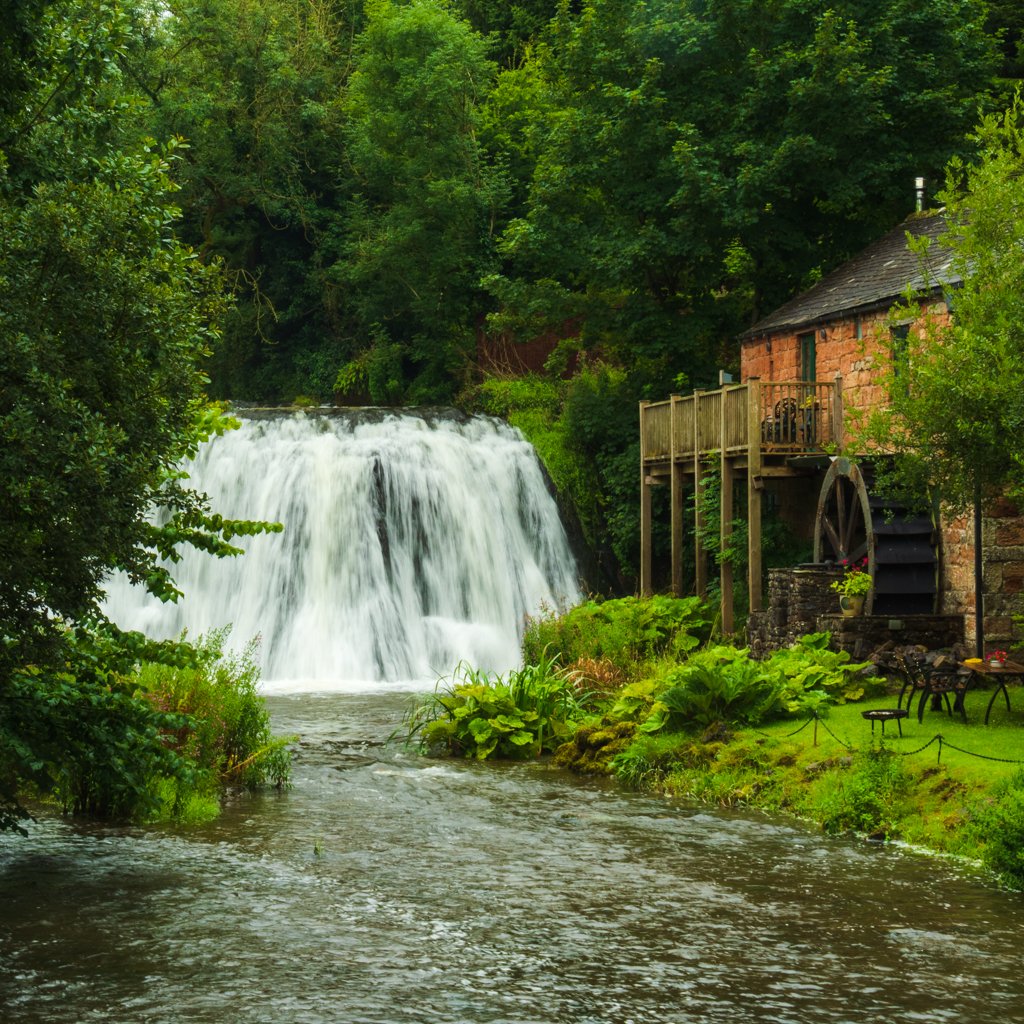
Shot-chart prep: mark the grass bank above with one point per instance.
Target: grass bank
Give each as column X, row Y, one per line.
column 943, row 785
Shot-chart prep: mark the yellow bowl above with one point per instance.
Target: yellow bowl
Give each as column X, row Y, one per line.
column 972, row 661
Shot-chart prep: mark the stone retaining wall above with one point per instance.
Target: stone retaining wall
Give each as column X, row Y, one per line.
column 800, row 601
column 796, row 599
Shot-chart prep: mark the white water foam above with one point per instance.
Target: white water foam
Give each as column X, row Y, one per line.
column 412, row 542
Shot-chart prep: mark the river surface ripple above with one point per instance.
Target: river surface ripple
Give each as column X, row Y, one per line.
column 383, row 889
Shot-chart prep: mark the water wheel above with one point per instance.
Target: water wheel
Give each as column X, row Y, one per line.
column 899, row 543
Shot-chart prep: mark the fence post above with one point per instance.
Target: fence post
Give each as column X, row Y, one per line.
column 837, row 415
column 699, row 554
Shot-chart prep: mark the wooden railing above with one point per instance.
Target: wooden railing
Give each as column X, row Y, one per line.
column 788, row 417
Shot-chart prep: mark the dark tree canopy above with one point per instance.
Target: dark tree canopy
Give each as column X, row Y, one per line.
column 700, row 162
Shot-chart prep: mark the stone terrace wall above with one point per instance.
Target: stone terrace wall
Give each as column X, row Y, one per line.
column 800, row 601
column 863, row 635
column 796, row 599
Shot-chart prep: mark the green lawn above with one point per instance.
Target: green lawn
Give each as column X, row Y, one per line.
column 949, row 797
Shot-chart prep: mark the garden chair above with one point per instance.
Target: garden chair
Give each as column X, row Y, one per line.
column 931, row 682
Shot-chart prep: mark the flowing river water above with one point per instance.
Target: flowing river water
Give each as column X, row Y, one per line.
column 385, row 888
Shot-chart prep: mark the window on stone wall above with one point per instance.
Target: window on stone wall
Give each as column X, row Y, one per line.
column 808, row 357
column 900, row 335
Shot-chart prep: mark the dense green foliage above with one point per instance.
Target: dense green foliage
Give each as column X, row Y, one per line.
column 973, row 364
column 644, row 178
column 529, row 712
column 424, row 200
column 84, row 738
column 627, row 632
column 224, row 733
column 105, row 319
column 160, row 743
column 693, row 164
column 722, row 685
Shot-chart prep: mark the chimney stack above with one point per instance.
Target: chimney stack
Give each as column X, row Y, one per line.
column 919, row 191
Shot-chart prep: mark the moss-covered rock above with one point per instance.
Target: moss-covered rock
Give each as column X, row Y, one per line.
column 592, row 748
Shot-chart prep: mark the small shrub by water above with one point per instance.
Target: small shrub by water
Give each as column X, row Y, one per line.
column 173, row 736
column 225, row 736
column 867, row 797
column 528, row 712
column 998, row 825
column 622, row 634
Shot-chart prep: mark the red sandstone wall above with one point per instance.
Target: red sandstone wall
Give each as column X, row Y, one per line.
column 500, row 354
column 857, row 359
column 855, row 347
column 1002, row 572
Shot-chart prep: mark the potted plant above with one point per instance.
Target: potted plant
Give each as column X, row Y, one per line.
column 853, row 588
column 996, row 659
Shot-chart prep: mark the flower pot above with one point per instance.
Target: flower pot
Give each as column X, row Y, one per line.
column 995, row 663
column 851, row 605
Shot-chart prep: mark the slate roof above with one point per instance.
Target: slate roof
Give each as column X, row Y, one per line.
column 875, row 278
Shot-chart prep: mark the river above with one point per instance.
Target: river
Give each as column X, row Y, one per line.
column 384, row 888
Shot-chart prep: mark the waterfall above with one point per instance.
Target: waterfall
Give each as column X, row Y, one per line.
column 412, row 541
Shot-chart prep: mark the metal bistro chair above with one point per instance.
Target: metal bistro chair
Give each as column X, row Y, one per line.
column 931, row 681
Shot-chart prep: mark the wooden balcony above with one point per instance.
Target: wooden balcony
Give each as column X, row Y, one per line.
column 743, row 421
column 753, row 430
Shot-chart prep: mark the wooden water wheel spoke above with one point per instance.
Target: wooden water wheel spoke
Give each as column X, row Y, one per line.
column 843, row 531
column 842, row 538
column 857, row 553
column 853, row 523
column 833, row 537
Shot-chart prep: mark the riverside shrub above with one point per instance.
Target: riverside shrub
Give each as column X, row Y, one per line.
column 225, row 734
column 998, row 826
column 724, row 684
column 625, row 632
column 867, row 797
column 528, row 712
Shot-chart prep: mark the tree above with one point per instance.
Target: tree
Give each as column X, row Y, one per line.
column 510, row 27
column 421, row 220
column 254, row 87
column 105, row 319
column 955, row 412
column 698, row 163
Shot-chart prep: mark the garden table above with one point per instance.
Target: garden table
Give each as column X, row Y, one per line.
column 1000, row 673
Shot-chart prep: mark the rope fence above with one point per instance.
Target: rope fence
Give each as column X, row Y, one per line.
column 938, row 738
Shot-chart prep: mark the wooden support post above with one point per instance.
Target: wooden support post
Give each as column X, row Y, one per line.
column 837, row 415
column 699, row 555
column 754, row 489
column 725, row 528
column 676, row 481
column 646, row 565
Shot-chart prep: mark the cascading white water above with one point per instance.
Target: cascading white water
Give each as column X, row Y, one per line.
column 412, row 542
